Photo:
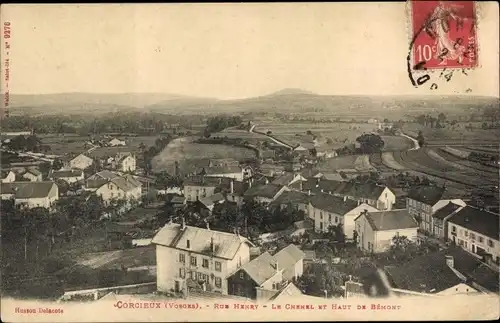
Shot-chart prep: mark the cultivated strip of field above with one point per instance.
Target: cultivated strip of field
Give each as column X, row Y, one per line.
column 431, row 153
column 362, row 163
column 454, row 156
column 340, row 162
column 389, row 161
column 418, row 160
column 493, row 150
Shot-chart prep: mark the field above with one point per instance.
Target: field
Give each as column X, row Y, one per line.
column 183, row 149
column 456, row 134
column 65, row 144
column 295, row 133
column 251, row 137
column 396, row 143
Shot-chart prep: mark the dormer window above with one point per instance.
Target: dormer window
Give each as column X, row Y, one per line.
column 188, row 244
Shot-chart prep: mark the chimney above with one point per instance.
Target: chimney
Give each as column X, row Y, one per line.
column 208, row 225
column 321, row 190
column 238, row 232
column 345, row 198
column 212, row 245
column 301, row 185
column 276, row 266
column 450, row 261
column 231, row 185
column 309, row 192
column 183, row 224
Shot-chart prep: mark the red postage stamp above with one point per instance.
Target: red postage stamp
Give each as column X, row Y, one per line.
column 444, row 34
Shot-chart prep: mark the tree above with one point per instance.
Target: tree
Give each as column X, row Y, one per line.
column 57, row 164
column 402, row 248
column 370, row 143
column 441, row 118
column 421, row 139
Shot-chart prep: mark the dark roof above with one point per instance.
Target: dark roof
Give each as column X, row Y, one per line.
column 269, row 190
column 361, row 190
column 95, row 183
column 33, row 171
column 25, row 190
column 332, row 203
column 212, row 199
column 261, row 268
column 239, row 188
column 390, row 220
column 431, row 272
column 203, row 181
column 284, row 179
column 104, row 174
column 226, row 245
column 289, row 256
column 221, row 170
column 480, row 221
column 446, row 210
column 67, row 173
column 292, row 197
column 429, row 195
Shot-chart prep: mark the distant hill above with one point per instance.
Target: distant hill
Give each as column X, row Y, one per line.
column 285, row 101
column 290, row 91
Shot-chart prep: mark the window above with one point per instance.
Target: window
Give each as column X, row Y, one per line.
column 205, row 263
column 329, row 218
column 472, row 236
column 182, row 258
column 321, row 225
column 182, row 273
column 242, row 275
column 466, row 233
column 481, row 239
column 193, row 261
column 490, row 243
column 453, row 229
column 193, row 275
column 336, row 219
column 218, row 282
column 321, row 215
column 217, row 266
column 200, row 276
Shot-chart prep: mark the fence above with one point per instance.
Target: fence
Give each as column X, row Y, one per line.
column 96, row 293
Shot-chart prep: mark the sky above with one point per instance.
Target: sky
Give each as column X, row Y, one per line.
column 227, row 51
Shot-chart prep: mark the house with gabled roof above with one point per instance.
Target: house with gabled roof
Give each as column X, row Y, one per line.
column 69, row 176
column 125, row 162
column 197, row 187
column 80, row 162
column 423, row 201
column 265, row 275
column 477, row 231
column 8, row 176
column 234, row 172
column 116, row 142
column 328, row 210
column 452, row 271
column 31, row 194
column 440, row 219
column 187, row 255
column 265, row 193
column 378, row 196
column 376, row 230
column 295, row 199
column 32, row 174
column 289, row 179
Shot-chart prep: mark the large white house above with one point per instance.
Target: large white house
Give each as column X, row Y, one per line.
column 125, row 163
column 8, row 176
column 422, row 202
column 80, row 162
column 32, row 174
column 186, row 256
column 376, row 230
column 31, row 194
column 476, row 231
column 328, row 210
column 120, row 188
column 234, row 172
column 380, row 197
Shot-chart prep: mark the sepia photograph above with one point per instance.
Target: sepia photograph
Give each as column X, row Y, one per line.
column 250, row 161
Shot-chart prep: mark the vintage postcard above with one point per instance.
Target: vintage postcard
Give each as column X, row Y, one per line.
column 250, row 162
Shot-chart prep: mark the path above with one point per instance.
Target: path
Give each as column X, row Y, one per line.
column 415, row 142
column 279, row 142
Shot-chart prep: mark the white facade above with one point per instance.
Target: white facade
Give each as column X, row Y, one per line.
column 471, row 240
column 9, row 178
column 32, row 177
column 72, row 179
column 379, row 241
column 45, row 202
column 238, row 176
column 172, row 272
column 323, row 219
column 116, row 142
column 127, row 164
column 195, row 192
column 110, row 191
column 81, row 162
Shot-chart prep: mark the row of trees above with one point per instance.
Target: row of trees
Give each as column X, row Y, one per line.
column 429, row 121
column 133, row 122
column 26, row 143
column 221, row 122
